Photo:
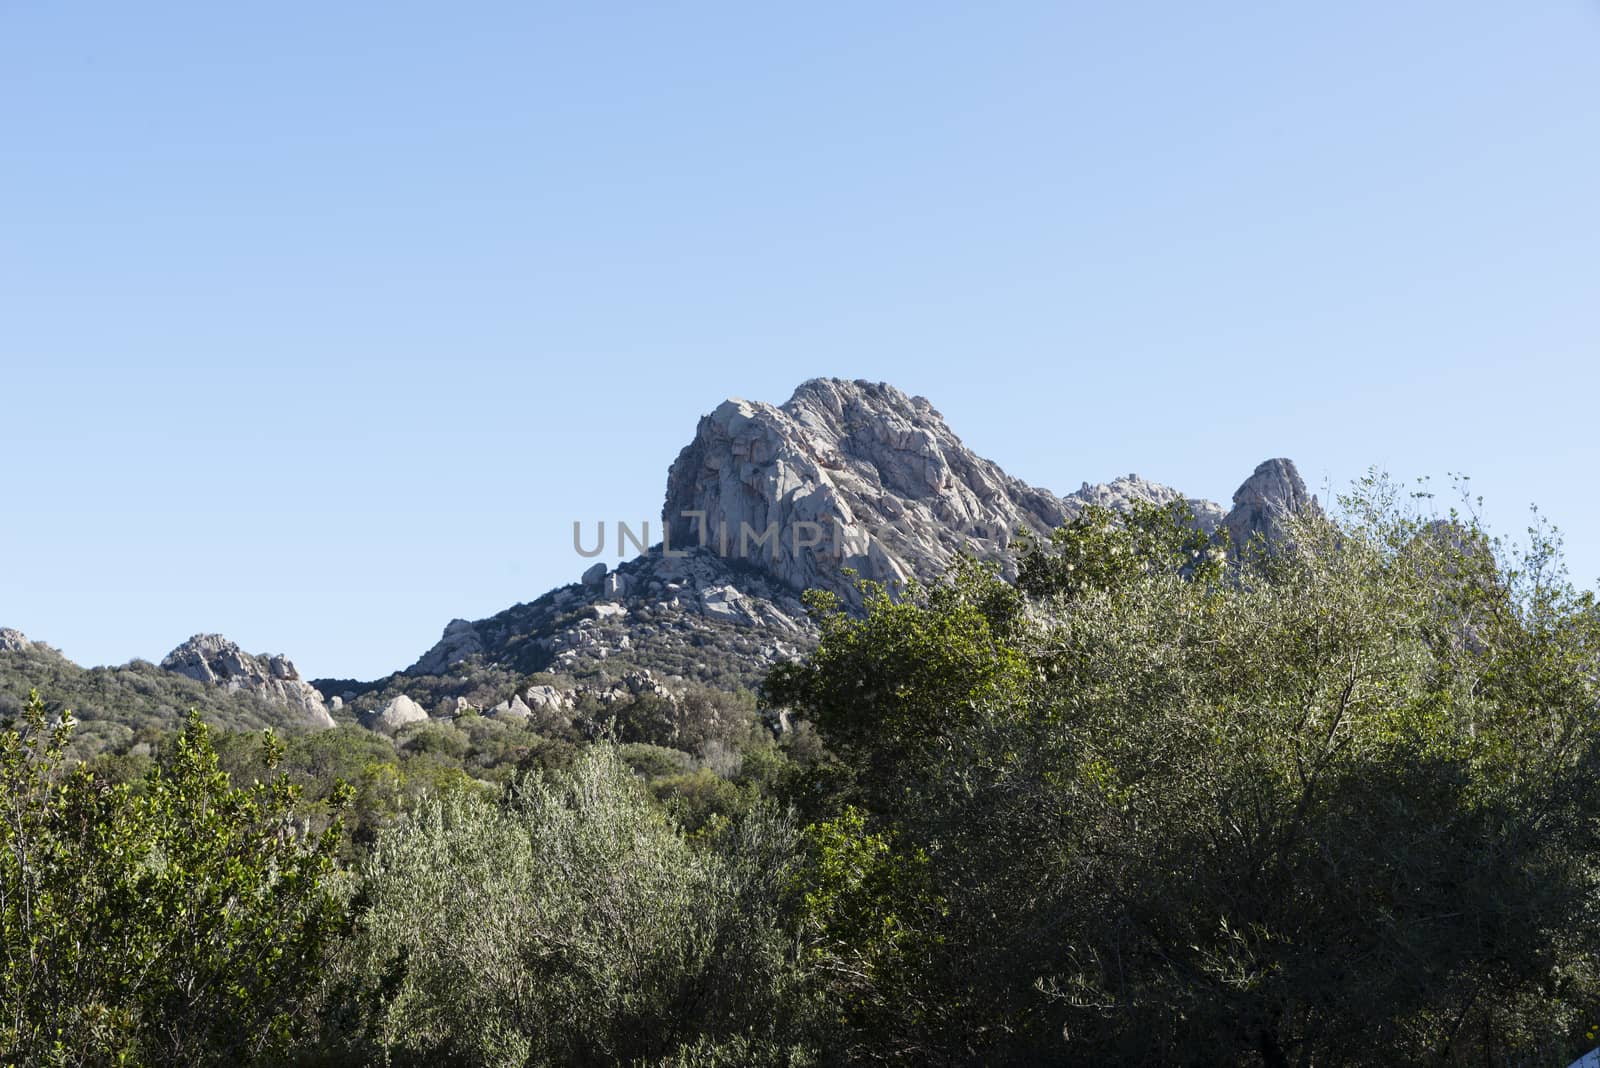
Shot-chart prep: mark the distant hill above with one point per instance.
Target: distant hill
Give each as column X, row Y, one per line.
column 116, row 705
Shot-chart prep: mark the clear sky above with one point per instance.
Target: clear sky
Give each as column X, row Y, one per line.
column 321, row 322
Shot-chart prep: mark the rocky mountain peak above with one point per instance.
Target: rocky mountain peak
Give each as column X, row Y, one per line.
column 1272, row 493
column 853, row 475
column 769, row 500
column 1121, row 494
column 212, row 658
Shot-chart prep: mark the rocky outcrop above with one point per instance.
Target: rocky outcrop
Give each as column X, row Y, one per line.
column 857, row 476
column 213, row 659
column 1122, row 494
column 14, row 641
column 512, row 709
column 1263, row 504
column 394, row 715
column 635, row 684
column 768, row 501
column 548, row 699
column 459, row 644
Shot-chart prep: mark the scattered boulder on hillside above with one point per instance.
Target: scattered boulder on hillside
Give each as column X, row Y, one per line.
column 547, row 699
column 396, row 714
column 642, row 683
column 511, row 709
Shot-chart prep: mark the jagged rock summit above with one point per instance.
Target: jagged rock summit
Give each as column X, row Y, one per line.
column 1121, row 494
column 769, row 500
column 859, row 476
column 213, row 659
column 1272, row 493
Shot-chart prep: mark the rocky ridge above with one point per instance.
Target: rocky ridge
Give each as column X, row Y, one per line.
column 858, row 477
column 14, row 641
column 765, row 502
column 875, row 476
column 213, row 659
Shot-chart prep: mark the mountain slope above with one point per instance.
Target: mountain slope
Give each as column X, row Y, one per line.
column 845, row 480
column 114, row 705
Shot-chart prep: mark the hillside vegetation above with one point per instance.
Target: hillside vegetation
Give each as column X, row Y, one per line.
column 120, row 707
column 1150, row 803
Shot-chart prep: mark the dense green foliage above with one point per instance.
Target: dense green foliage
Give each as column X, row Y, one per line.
column 1335, row 806
column 182, row 924
column 571, row 924
column 125, row 708
column 1331, row 801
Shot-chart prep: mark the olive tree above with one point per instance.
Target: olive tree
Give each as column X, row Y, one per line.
column 572, row 923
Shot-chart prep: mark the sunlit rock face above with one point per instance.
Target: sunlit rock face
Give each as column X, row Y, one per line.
column 1263, row 504
column 14, row 641
column 858, row 476
column 394, row 715
column 213, row 659
column 769, row 500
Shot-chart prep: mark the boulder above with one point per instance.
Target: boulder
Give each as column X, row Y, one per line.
column 512, row 709
column 394, row 715
column 547, row 699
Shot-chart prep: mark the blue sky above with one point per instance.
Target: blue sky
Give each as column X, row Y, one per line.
column 321, row 323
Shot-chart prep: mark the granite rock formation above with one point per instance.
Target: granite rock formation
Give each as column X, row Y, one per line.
column 1261, row 506
column 874, row 477
column 394, row 715
column 14, row 641
column 213, row 659
column 1122, row 494
column 858, row 476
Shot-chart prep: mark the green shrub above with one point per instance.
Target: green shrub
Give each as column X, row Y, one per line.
column 183, row 924
column 571, row 925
